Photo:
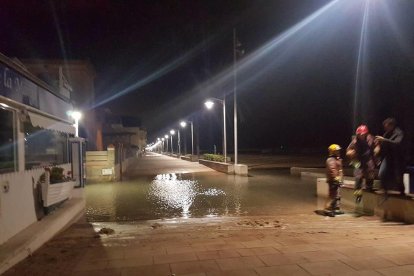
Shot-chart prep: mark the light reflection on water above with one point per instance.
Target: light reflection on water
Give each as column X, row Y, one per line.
column 197, row 195
column 167, row 191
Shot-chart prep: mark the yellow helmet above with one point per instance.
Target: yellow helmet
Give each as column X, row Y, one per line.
column 333, row 149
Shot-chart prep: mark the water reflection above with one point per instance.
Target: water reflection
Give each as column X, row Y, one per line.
column 169, row 191
column 198, row 195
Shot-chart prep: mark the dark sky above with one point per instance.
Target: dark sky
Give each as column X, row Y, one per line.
column 163, row 58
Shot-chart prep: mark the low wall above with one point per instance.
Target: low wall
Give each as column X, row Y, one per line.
column 100, row 166
column 18, row 202
column 191, row 158
column 218, row 166
column 316, row 171
column 395, row 208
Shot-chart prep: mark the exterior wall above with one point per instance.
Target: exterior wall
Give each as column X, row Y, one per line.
column 17, row 206
column 21, row 92
column 81, row 77
column 96, row 162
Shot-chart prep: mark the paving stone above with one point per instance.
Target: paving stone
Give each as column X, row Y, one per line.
column 238, row 263
column 282, row 259
column 194, row 267
column 405, row 270
column 88, row 265
column 131, row 262
column 103, row 253
column 257, row 251
column 174, row 258
column 331, row 267
column 217, row 254
column 244, row 272
column 368, row 263
column 291, row 270
column 150, row 270
column 400, row 259
column 103, row 272
column 321, row 255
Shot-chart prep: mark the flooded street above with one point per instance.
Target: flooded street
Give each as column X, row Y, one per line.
column 204, row 194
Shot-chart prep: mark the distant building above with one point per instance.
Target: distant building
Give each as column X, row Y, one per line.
column 125, row 130
column 74, row 78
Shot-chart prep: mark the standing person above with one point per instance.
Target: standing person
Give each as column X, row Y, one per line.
column 334, row 178
column 362, row 152
column 392, row 165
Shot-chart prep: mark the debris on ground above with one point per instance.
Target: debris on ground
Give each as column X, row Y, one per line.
column 156, row 225
column 106, row 231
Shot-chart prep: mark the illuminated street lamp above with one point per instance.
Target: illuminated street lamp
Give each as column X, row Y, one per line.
column 183, row 125
column 209, row 104
column 76, row 115
column 162, row 147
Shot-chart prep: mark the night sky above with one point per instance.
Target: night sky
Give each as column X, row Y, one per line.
column 163, row 58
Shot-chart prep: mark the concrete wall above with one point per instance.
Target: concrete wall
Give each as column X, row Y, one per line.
column 218, row 166
column 99, row 164
column 17, row 205
column 395, row 208
column 97, row 161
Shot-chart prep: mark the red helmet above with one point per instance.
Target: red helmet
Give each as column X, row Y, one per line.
column 361, row 130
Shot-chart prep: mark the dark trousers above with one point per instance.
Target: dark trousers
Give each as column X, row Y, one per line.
column 367, row 171
column 391, row 176
column 334, row 196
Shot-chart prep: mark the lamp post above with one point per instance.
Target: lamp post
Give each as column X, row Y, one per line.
column 162, row 145
column 172, row 132
column 235, row 94
column 236, row 51
column 209, row 104
column 183, row 125
column 166, row 139
column 76, row 115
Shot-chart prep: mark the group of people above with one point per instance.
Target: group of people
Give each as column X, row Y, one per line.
column 366, row 153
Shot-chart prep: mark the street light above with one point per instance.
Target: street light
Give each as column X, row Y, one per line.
column 166, row 139
column 162, row 147
column 209, row 104
column 172, row 132
column 183, row 125
column 76, row 115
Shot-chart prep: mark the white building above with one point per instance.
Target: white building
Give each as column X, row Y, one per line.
column 36, row 133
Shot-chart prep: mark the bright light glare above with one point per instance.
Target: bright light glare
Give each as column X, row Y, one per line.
column 162, row 139
column 183, row 124
column 209, row 104
column 172, row 131
column 75, row 115
column 166, row 136
column 153, row 146
column 4, row 105
column 158, row 138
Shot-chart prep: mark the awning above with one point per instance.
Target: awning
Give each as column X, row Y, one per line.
column 38, row 120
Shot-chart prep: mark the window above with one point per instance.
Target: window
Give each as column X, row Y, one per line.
column 8, row 148
column 44, row 147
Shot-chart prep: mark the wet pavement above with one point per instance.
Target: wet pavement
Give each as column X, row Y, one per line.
column 203, row 193
column 215, row 224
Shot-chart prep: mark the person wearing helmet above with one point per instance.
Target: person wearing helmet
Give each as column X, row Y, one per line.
column 362, row 152
column 334, row 178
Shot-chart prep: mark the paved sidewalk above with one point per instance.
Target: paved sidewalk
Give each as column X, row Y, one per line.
column 289, row 245
column 300, row 243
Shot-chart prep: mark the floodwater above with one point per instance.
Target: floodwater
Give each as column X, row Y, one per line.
column 267, row 192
